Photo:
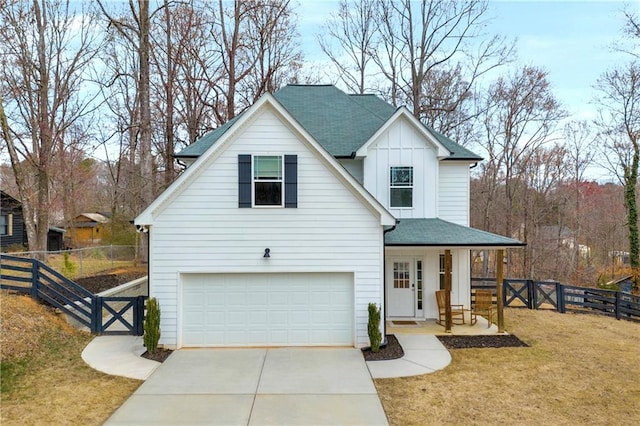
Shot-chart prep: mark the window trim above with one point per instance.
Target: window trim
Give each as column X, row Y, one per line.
column 391, row 187
column 8, row 225
column 281, row 180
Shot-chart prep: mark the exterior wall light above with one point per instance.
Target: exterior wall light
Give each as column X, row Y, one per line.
column 267, row 253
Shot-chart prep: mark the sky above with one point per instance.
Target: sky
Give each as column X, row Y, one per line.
column 570, row 39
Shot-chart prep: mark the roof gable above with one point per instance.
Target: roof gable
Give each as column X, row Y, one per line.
column 403, row 113
column 228, row 136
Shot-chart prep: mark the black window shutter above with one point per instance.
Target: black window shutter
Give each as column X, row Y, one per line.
column 244, row 181
column 290, row 181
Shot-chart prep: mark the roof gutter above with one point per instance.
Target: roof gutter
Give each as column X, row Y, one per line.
column 346, row 157
column 384, row 277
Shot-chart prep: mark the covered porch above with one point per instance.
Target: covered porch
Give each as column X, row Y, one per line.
column 429, row 326
column 423, row 256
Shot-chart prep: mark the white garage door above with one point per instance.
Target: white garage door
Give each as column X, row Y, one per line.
column 292, row 309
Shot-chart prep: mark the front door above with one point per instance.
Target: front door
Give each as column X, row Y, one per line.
column 401, row 288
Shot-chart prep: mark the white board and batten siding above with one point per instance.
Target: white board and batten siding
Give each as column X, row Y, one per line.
column 202, row 230
column 402, row 145
column 453, row 192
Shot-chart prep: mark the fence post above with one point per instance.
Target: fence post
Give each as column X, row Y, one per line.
column 111, row 254
column 139, row 315
column 530, row 292
column 96, row 317
column 560, row 298
column 35, row 278
column 81, row 270
column 618, row 305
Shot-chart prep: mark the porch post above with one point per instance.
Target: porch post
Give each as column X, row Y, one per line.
column 447, row 290
column 499, row 295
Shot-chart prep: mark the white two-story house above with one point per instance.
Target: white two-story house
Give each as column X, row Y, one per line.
column 295, row 215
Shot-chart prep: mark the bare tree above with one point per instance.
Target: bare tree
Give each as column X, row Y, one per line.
column 619, row 124
column 579, row 143
column 251, row 36
column 427, row 54
column 632, row 31
column 355, row 31
column 520, row 115
column 199, row 70
column 436, row 35
column 46, row 48
column 136, row 31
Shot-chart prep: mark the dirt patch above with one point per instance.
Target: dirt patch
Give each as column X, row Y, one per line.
column 489, row 341
column 161, row 355
column 110, row 279
column 392, row 350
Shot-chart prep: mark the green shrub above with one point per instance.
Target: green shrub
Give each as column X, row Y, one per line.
column 152, row 325
column 68, row 266
column 375, row 337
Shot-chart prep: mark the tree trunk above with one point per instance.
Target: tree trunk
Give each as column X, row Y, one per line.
column 44, row 152
column 631, row 205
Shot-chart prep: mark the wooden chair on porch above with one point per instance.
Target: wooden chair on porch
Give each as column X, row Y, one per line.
column 457, row 311
column 483, row 306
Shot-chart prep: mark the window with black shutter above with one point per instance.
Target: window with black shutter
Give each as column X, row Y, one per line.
column 267, row 181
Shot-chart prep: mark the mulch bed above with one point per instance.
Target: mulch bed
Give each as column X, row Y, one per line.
column 392, row 350
column 99, row 283
column 161, row 355
column 488, row 341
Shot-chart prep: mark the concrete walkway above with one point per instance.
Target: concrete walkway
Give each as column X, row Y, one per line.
column 280, row 386
column 423, row 353
column 119, row 356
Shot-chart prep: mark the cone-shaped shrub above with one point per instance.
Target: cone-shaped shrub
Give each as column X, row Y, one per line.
column 152, row 325
column 375, row 337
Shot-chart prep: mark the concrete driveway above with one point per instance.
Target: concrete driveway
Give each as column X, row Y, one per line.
column 281, row 386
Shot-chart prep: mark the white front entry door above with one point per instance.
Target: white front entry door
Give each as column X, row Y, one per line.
column 401, row 288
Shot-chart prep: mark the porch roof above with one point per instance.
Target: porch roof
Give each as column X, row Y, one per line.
column 440, row 233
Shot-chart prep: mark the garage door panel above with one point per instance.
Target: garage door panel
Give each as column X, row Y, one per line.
column 267, row 309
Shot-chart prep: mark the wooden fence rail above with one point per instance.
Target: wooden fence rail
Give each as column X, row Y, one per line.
column 562, row 297
column 101, row 315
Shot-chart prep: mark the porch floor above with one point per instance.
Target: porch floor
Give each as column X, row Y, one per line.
column 429, row 326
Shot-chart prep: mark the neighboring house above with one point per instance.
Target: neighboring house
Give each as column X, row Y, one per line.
column 88, row 229
column 620, row 258
column 12, row 231
column 295, row 215
column 621, row 284
column 561, row 236
column 13, row 234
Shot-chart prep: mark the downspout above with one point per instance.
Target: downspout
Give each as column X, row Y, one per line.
column 384, row 283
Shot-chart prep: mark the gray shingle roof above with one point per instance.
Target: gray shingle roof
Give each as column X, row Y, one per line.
column 341, row 123
column 438, row 232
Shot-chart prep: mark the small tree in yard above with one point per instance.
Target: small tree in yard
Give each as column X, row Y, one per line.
column 152, row 325
column 375, row 337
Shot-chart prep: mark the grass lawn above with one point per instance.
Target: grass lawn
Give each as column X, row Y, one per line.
column 44, row 379
column 580, row 369
column 85, row 266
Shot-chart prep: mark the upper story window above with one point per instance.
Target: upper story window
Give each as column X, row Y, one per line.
column 401, row 187
column 267, row 180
